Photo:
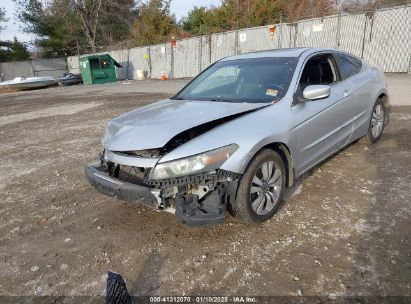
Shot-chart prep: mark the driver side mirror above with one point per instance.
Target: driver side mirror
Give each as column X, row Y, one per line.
column 314, row 92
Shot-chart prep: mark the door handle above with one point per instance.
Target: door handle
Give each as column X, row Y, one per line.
column 347, row 93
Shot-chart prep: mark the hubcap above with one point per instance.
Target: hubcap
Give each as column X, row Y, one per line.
column 377, row 121
column 265, row 188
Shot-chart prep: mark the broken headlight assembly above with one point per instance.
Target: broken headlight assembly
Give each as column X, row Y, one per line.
column 199, row 163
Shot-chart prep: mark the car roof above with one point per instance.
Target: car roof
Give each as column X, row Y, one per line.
column 286, row 52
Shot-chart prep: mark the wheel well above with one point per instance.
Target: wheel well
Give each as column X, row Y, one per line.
column 384, row 99
column 285, row 154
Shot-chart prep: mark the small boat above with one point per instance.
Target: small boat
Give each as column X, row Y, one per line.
column 25, row 83
column 69, row 79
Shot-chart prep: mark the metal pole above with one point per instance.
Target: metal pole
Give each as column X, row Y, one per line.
column 200, row 51
column 338, row 35
column 371, row 25
column 32, row 68
column 236, row 39
column 280, row 34
column 295, row 33
column 128, row 64
column 363, row 37
column 209, row 48
column 149, row 60
column 172, row 62
column 409, row 65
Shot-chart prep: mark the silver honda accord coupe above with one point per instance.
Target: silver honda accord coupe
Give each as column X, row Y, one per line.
column 240, row 132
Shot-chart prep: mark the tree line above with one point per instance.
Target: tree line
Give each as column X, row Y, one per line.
column 11, row 50
column 72, row 27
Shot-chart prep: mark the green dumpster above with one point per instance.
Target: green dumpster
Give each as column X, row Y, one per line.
column 98, row 69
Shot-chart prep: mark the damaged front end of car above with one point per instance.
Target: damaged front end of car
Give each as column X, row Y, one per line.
column 194, row 188
column 147, row 159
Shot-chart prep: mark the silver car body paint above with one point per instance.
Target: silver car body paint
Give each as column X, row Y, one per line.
column 317, row 92
column 154, row 125
column 311, row 130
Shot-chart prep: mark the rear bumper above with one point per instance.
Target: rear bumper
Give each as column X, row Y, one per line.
column 102, row 182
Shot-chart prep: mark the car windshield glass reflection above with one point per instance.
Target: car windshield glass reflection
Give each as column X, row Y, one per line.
column 256, row 80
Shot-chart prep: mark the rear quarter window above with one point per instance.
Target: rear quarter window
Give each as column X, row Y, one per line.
column 349, row 66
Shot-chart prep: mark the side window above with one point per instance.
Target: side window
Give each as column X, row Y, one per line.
column 318, row 70
column 349, row 66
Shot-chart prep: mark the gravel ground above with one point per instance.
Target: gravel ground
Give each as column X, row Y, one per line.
column 344, row 228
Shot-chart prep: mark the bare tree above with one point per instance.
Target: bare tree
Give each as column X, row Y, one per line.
column 2, row 18
column 89, row 12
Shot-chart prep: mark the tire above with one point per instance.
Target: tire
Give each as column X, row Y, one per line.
column 247, row 207
column 376, row 124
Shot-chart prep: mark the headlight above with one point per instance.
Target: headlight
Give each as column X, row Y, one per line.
column 199, row 163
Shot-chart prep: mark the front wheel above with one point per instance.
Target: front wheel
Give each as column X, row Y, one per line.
column 377, row 123
column 260, row 189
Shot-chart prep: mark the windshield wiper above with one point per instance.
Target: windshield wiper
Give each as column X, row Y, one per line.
column 177, row 98
column 221, row 100
column 229, row 100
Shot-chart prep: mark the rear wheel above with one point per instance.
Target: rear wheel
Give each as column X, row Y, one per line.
column 261, row 188
column 377, row 123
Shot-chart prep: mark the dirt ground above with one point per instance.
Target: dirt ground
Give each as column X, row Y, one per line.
column 344, row 228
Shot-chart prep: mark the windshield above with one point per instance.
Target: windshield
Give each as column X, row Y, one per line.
column 255, row 80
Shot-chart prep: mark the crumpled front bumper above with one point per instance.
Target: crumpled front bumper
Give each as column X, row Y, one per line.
column 98, row 177
column 189, row 208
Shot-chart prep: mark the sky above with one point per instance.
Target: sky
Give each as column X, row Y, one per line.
column 182, row 7
column 178, row 7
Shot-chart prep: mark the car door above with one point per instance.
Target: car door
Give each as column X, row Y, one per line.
column 351, row 69
column 321, row 127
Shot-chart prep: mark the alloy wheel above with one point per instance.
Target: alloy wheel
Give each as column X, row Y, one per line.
column 265, row 188
column 377, row 121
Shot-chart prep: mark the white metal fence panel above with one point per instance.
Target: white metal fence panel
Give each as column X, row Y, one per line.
column 73, row 64
column 122, row 57
column 205, row 52
column 256, row 39
column 41, row 67
column 223, row 45
column 49, row 67
column 160, row 60
column 139, row 60
column 318, row 32
column 287, row 34
column 387, row 41
column 187, row 58
column 352, row 32
column 10, row 70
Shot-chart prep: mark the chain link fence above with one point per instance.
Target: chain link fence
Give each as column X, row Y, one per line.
column 382, row 38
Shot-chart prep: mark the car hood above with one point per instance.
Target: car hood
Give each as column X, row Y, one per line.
column 154, row 125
